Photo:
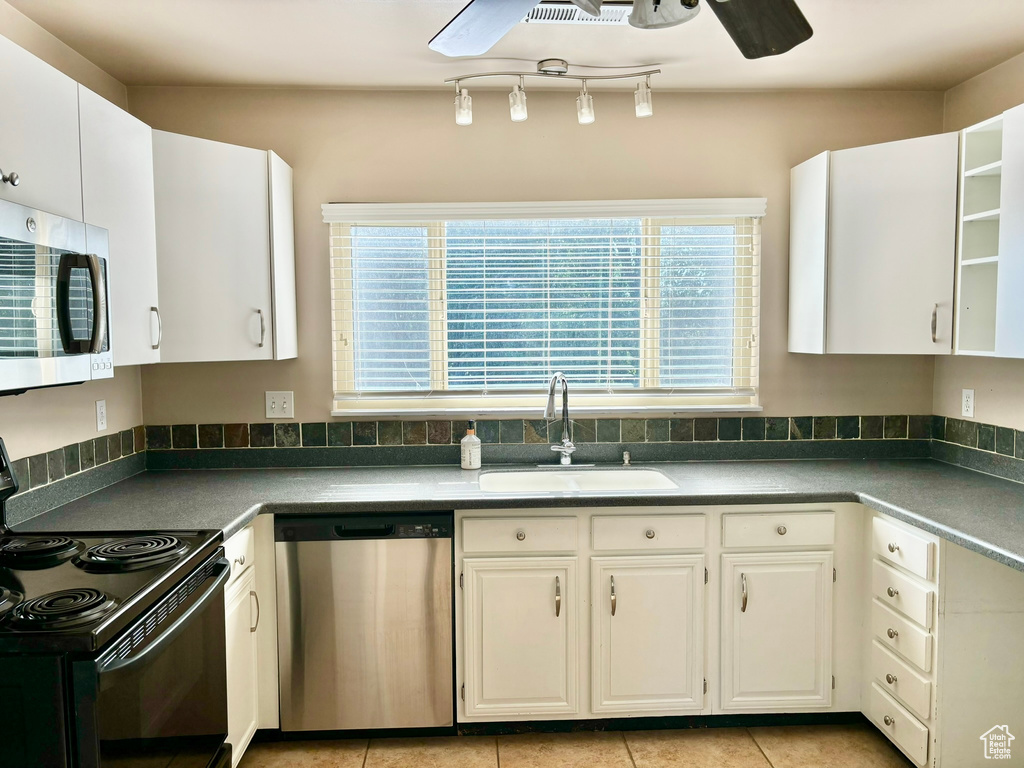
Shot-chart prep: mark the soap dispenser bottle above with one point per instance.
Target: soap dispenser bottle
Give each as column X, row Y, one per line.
column 471, row 448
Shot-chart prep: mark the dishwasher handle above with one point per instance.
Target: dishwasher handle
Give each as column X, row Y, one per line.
column 365, row 532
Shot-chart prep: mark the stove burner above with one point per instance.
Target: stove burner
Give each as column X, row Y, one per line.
column 133, row 554
column 33, row 552
column 66, row 609
column 8, row 599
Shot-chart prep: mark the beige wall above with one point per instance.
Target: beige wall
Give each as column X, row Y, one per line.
column 998, row 384
column 46, row 419
column 404, row 146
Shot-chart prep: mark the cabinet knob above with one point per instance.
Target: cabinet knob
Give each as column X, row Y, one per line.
column 521, row 535
column 649, row 533
column 890, row 679
column 240, row 560
column 10, row 178
column 894, row 547
column 892, row 592
column 892, row 633
column 781, row 530
column 888, row 720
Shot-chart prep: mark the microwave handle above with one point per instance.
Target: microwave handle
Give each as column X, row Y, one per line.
column 94, row 264
column 223, row 571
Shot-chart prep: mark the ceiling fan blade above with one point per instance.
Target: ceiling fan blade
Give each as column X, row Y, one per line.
column 593, row 7
column 479, row 26
column 762, row 27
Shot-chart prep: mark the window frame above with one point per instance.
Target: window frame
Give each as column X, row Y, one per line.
column 438, row 402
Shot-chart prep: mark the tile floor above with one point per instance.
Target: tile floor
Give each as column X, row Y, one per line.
column 832, row 746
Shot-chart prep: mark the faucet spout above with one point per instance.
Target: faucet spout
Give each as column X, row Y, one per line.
column 566, row 447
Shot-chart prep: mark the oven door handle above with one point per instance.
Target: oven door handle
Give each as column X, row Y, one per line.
column 223, row 571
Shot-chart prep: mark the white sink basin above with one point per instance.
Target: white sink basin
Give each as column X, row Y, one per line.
column 568, row 481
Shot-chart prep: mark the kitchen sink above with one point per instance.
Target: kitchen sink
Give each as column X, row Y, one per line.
column 568, row 481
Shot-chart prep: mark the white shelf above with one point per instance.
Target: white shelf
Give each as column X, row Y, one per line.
column 990, row 169
column 991, row 215
column 983, row 260
column 992, row 124
column 975, row 352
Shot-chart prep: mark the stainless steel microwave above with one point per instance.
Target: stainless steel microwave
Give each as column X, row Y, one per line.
column 54, row 302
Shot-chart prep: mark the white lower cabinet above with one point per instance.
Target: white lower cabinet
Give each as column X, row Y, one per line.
column 776, row 645
column 520, row 652
column 647, row 649
column 241, row 615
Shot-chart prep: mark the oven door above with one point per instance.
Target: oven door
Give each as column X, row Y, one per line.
column 158, row 694
column 53, row 300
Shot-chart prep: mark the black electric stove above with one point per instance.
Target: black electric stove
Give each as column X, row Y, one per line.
column 111, row 647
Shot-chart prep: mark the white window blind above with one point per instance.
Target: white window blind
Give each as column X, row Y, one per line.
column 477, row 310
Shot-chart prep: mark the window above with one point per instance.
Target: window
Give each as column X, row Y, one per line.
column 474, row 313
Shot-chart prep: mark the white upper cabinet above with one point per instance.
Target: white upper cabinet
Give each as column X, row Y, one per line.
column 225, row 251
column 1010, row 286
column 39, row 134
column 873, row 249
column 117, row 193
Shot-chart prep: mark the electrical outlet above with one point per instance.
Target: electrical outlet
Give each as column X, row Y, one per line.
column 967, row 404
column 101, row 415
column 280, row 405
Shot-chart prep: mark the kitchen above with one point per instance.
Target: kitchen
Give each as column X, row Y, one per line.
column 240, row 408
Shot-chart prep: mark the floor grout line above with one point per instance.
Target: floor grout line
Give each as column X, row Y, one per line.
column 628, row 750
column 760, row 748
column 497, row 752
column 366, row 754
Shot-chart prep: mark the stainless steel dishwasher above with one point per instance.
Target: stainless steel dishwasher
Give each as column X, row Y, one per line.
column 365, row 621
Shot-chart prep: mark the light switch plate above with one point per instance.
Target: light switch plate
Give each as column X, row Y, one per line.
column 967, row 404
column 280, row 405
column 101, row 415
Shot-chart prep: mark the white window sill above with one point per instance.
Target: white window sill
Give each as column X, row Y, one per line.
column 592, row 412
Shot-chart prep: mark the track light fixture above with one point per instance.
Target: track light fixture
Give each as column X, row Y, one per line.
column 553, row 69
column 517, row 102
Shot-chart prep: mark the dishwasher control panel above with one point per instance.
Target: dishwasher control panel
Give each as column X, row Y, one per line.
column 394, row 525
column 422, row 531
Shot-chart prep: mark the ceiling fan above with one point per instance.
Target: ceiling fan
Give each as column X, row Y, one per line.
column 758, row 27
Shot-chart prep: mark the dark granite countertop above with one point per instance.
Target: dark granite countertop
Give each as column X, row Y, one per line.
column 977, row 511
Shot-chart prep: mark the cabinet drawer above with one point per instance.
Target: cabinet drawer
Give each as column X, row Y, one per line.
column 907, row 639
column 518, row 534
column 779, row 529
column 240, row 550
column 905, row 730
column 898, row 678
column 901, row 592
column 899, row 546
column 626, row 532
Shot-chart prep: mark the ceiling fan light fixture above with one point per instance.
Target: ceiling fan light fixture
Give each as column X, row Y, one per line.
column 643, row 100
column 463, row 106
column 658, row 14
column 517, row 102
column 585, row 106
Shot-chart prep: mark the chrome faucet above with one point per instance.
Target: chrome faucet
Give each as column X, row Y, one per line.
column 566, row 448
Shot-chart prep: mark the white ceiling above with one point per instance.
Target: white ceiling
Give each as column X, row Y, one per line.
column 885, row 44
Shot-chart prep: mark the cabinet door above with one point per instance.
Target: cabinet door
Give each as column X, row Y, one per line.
column 117, row 194
column 213, row 249
column 241, row 615
column 1010, row 270
column 892, row 247
column 777, row 631
column 647, row 645
column 520, row 623
column 39, row 134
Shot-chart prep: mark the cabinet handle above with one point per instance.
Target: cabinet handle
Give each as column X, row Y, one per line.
column 935, row 324
column 521, row 535
column 558, row 597
column 890, row 679
column 781, row 530
column 888, row 720
column 240, row 560
column 894, row 547
column 252, row 594
column 613, row 595
column 263, row 328
column 10, row 178
column 892, row 592
column 159, row 327
column 892, row 633
column 743, row 593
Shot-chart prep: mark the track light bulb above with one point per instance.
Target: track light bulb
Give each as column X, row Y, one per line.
column 585, row 106
column 517, row 103
column 642, row 99
column 463, row 108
